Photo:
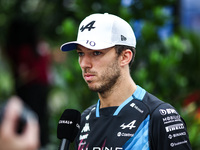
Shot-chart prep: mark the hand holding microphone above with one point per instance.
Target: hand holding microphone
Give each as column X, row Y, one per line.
column 19, row 129
column 68, row 127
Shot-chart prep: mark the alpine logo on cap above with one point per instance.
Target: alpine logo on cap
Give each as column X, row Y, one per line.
column 89, row 26
column 123, row 38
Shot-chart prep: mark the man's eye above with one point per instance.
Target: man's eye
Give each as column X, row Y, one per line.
column 96, row 53
column 80, row 53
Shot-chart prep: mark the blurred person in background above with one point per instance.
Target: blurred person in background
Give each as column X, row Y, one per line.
column 29, row 59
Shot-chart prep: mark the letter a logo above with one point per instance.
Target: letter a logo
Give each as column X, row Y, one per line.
column 89, row 26
column 131, row 125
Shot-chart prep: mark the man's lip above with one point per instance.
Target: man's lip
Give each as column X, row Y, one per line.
column 88, row 76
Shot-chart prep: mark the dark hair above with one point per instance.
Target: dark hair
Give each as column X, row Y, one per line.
column 120, row 48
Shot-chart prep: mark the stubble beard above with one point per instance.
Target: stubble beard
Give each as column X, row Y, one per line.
column 108, row 79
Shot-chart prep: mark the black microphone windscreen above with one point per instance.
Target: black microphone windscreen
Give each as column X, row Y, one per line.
column 69, row 124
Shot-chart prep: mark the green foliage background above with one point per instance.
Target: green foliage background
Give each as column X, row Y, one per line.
column 169, row 69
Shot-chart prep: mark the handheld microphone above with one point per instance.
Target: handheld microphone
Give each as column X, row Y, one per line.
column 68, row 127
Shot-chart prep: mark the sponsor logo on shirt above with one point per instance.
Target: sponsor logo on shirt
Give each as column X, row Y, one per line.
column 85, row 146
column 178, row 143
column 83, row 137
column 133, row 105
column 167, row 111
column 174, row 127
column 106, row 148
column 171, row 119
column 86, row 128
column 131, row 125
column 88, row 116
column 122, row 134
column 176, row 135
column 102, row 148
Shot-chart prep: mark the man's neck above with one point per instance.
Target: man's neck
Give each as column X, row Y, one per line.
column 122, row 90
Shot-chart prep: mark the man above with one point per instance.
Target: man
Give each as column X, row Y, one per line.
column 126, row 116
column 10, row 139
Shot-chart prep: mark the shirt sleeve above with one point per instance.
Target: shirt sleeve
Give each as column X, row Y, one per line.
column 168, row 130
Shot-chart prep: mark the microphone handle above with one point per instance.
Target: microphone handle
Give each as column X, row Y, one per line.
column 64, row 145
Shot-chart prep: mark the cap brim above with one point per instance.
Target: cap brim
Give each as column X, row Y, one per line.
column 69, row 46
column 73, row 45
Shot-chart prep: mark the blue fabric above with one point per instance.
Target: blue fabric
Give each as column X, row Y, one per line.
column 122, row 105
column 138, row 94
column 97, row 109
column 140, row 140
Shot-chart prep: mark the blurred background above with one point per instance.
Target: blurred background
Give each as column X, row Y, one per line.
column 167, row 60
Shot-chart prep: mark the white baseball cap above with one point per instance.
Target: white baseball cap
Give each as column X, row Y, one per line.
column 101, row 31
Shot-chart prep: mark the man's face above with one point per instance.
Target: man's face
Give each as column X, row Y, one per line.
column 100, row 68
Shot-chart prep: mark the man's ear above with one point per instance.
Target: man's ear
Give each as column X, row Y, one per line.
column 126, row 57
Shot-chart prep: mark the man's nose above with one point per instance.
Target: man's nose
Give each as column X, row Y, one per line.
column 85, row 62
